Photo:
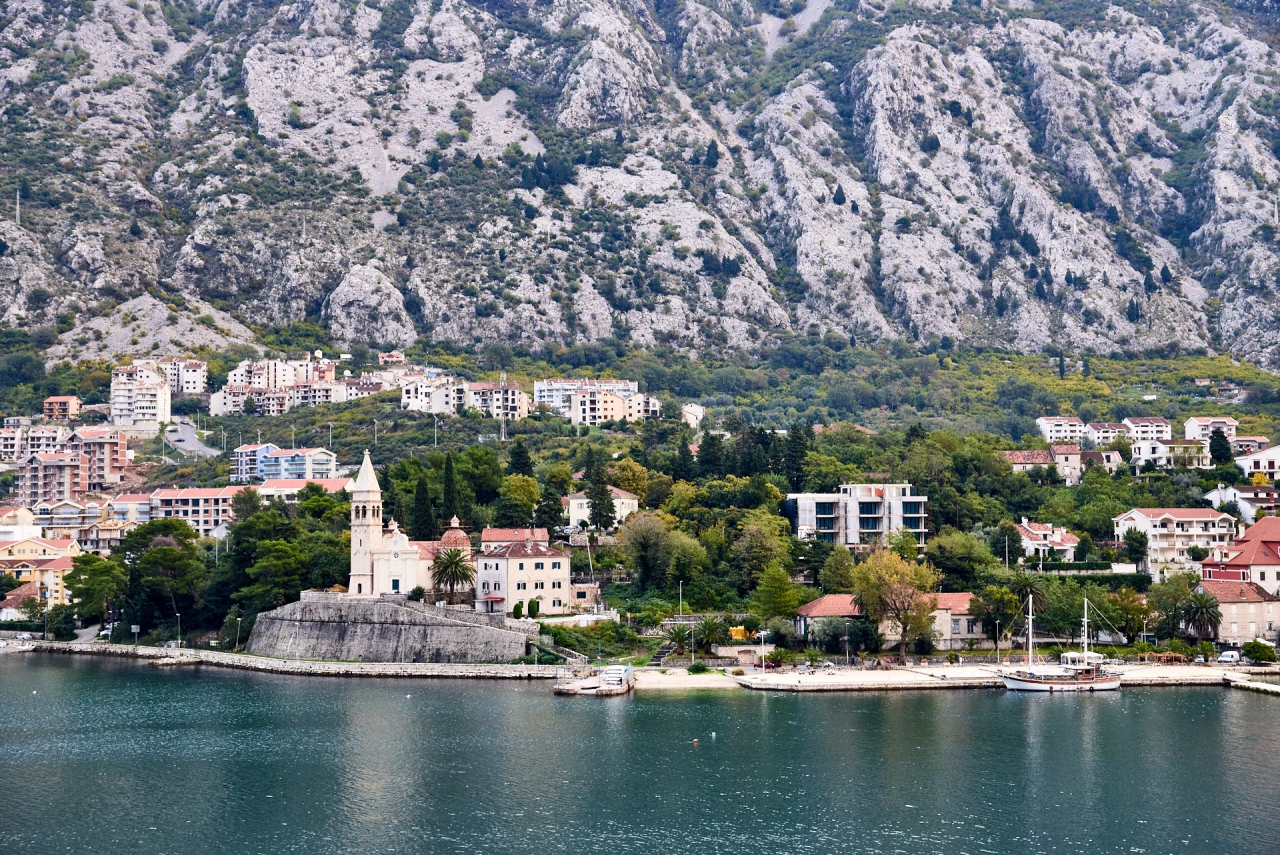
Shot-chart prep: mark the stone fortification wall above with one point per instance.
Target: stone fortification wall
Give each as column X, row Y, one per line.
column 378, row 631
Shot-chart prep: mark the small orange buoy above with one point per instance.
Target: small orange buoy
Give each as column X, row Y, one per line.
column 695, row 742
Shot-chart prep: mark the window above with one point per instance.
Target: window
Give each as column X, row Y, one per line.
column 537, row 565
column 520, row 586
column 521, row 565
column 869, row 508
column 538, row 586
column 395, row 584
column 955, row 627
column 555, row 585
column 555, row 565
column 485, row 586
column 556, row 603
column 824, row 509
column 582, row 595
column 497, row 586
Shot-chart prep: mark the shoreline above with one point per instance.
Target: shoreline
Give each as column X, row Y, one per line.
column 950, row 677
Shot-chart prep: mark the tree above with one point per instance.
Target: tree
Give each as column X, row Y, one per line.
column 451, row 571
column 518, row 460
column 1135, row 546
column 1165, row 275
column 277, row 576
column 959, row 557
column 517, row 611
column 647, row 545
column 903, row 542
column 776, row 595
column 710, row 456
column 94, row 582
column 422, row 519
column 417, row 595
column 1258, row 652
column 533, row 608
column 894, row 589
column 451, row 501
column 996, row 607
column 32, row 609
column 245, row 504
column 522, row 488
column 1202, row 615
column 630, row 476
column 799, row 441
column 710, row 631
column 1029, row 586
column 600, row 499
column 62, row 622
column 250, row 406
column 713, row 155
column 1169, row 599
column 752, row 554
column 1006, row 543
column 1219, row 448
column 683, row 467
column 511, row 512
column 838, row 197
column 677, row 635
column 836, row 575
column 1133, row 609
column 549, row 513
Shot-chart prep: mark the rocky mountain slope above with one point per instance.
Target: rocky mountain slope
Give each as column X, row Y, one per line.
column 708, row 173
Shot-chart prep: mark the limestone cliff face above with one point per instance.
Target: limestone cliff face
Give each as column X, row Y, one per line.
column 708, row 174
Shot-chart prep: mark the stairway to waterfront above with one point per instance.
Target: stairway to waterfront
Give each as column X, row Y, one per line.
column 665, row 650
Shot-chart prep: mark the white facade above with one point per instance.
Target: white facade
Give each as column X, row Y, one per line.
column 1105, row 433
column 311, row 464
column 498, row 400
column 1061, row 428
column 1202, row 427
column 555, row 392
column 1172, row 531
column 1144, row 428
column 185, row 376
column 1171, row 453
column 641, row 407
column 140, row 400
column 437, row 395
column 578, row 507
column 860, row 514
column 1250, row 500
column 246, row 461
column 1266, row 462
column 692, row 414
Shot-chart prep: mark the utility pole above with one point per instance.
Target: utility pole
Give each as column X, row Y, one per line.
column 330, row 436
column 17, row 207
column 293, row 437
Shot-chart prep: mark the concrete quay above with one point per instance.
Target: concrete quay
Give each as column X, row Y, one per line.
column 302, row 667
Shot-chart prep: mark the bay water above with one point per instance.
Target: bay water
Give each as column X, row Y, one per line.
column 111, row 756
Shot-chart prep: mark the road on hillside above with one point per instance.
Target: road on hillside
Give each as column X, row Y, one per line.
column 183, row 437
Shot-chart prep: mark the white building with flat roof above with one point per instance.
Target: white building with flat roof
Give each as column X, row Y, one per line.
column 555, row 392
column 859, row 515
column 140, row 400
column 1061, row 428
column 1143, row 428
column 1171, row 532
column 1202, row 427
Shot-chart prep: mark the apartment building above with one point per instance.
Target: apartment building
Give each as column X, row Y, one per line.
column 1067, row 460
column 578, row 507
column 1265, row 461
column 1060, row 428
column 1202, row 427
column 641, row 407
column 517, row 573
column 13, row 443
column 692, row 414
column 308, row 464
column 1249, row 611
column 1105, row 433
column 1046, row 542
column 555, row 392
column 859, row 515
column 437, row 395
column 1172, row 531
column 313, row 393
column 246, row 461
column 52, row 477
column 1171, row 453
column 205, row 510
column 1241, row 445
column 43, row 561
column 499, row 400
column 140, row 400
column 1145, row 429
column 287, row 489
column 595, row 406
column 61, row 408
column 185, row 376
column 107, row 451
column 45, row 440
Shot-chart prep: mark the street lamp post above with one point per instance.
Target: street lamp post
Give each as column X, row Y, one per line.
column 435, row 433
column 178, row 615
column 846, row 644
column 375, row 431
column 237, row 647
column 762, row 635
column 997, row 642
column 330, row 436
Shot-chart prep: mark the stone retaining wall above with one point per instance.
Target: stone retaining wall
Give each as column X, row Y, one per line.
column 308, row 668
column 379, row 631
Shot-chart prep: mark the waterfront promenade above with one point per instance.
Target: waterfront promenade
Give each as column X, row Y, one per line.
column 912, row 678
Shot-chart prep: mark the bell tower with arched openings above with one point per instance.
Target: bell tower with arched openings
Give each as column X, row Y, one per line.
column 366, row 528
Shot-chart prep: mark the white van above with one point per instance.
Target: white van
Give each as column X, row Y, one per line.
column 1229, row 657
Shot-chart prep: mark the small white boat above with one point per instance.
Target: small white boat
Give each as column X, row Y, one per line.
column 1079, row 672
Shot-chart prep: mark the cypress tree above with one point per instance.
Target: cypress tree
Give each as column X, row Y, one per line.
column 1219, row 447
column 423, row 523
column 1165, row 276
column 683, row 468
column 549, row 513
column 451, row 502
column 799, row 440
column 711, row 456
column 839, row 197
column 713, row 155
column 600, row 497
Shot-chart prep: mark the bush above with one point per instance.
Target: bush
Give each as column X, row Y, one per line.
column 1258, row 652
column 417, row 595
column 533, row 609
column 923, row 646
column 698, row 667
column 518, row 611
column 738, row 672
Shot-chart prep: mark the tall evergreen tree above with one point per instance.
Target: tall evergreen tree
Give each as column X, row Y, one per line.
column 799, row 441
column 518, row 461
column 1219, row 447
column 451, row 501
column 549, row 513
column 711, row 456
column 423, row 522
column 600, row 497
column 683, row 468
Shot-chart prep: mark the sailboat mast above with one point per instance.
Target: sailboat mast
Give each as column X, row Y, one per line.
column 1086, row 630
column 1030, row 630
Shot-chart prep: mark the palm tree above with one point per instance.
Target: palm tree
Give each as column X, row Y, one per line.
column 1025, row 585
column 451, row 571
column 708, row 631
column 678, row 634
column 1202, row 615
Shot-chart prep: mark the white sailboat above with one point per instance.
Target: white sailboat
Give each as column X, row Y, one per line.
column 1079, row 672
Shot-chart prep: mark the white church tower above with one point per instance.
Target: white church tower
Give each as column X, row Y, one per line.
column 366, row 528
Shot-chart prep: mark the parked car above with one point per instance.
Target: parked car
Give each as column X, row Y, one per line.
column 1229, row 657
column 23, row 636
column 1199, row 660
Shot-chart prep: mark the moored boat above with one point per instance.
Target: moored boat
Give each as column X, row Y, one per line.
column 1079, row 672
column 613, row 680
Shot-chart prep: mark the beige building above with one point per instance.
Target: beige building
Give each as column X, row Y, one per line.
column 578, row 506
column 518, row 573
column 140, row 400
column 43, row 561
column 61, row 408
column 1248, row 611
column 1172, row 531
column 596, row 406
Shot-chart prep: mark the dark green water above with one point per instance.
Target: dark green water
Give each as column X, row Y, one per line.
column 108, row 756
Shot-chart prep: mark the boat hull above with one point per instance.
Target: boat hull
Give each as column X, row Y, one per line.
column 1023, row 683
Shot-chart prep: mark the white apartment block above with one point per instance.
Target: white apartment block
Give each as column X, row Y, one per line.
column 1105, row 433
column 1060, row 428
column 641, row 407
column 246, row 461
column 46, row 440
column 205, row 510
column 692, row 414
column 313, row 393
column 308, row 464
column 140, row 400
column 1266, row 462
column 1172, row 531
column 555, row 392
column 1171, row 453
column 1202, row 427
column 860, row 515
column 1143, row 428
column 499, row 400
column 185, row 376
column 436, row 395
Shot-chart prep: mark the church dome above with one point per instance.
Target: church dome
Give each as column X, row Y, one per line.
column 454, row 537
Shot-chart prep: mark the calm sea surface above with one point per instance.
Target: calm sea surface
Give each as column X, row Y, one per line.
column 108, row 756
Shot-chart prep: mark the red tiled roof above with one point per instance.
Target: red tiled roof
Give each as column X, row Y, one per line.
column 1235, row 592
column 1178, row 513
column 832, row 605
column 331, row 485
column 617, row 494
column 957, row 604
column 523, row 550
column 1035, row 457
column 1064, row 449
column 493, row 535
column 1146, row 420
column 20, row 593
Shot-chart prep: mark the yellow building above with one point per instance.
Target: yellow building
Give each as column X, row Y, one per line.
column 40, row 560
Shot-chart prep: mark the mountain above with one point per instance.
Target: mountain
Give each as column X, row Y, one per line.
column 708, row 173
